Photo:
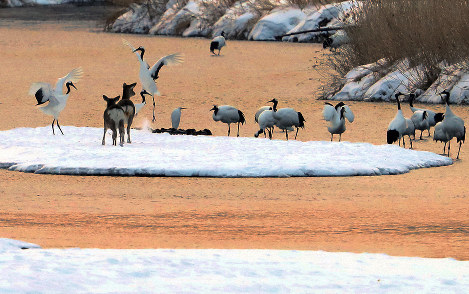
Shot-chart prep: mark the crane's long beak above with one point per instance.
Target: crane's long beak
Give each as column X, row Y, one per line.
column 183, row 108
column 71, row 84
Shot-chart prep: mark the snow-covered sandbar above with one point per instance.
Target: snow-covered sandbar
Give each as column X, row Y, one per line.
column 79, row 152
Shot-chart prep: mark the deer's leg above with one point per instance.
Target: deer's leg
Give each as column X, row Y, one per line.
column 104, row 136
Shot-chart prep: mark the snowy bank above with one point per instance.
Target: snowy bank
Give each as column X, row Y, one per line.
column 80, row 152
column 379, row 81
column 240, row 21
column 225, row 271
column 11, row 244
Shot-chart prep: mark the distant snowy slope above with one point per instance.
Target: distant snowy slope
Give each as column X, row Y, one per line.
column 80, row 152
column 225, row 271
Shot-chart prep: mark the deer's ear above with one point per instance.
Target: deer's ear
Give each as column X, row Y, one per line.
column 133, row 85
column 125, row 85
column 105, row 97
column 117, row 98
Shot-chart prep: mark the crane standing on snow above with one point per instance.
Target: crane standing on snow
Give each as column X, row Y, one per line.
column 228, row 114
column 57, row 100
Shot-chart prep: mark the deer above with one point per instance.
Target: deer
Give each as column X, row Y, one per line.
column 128, row 106
column 114, row 118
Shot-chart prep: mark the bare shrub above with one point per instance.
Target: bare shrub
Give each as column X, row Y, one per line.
column 428, row 33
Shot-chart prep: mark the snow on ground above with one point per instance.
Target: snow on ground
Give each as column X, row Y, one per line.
column 225, row 271
column 80, row 152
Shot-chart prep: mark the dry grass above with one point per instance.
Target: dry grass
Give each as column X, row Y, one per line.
column 426, row 32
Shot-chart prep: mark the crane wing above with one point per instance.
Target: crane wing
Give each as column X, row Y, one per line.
column 348, row 113
column 131, row 47
column 73, row 76
column 329, row 112
column 171, row 59
column 42, row 91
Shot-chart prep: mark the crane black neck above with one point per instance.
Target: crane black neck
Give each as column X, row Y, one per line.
column 275, row 106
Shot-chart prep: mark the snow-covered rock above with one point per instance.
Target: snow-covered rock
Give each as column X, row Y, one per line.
column 448, row 79
column 360, row 79
column 11, row 244
column 175, row 22
column 237, row 22
column 80, row 153
column 402, row 79
column 136, row 20
column 330, row 15
column 278, row 22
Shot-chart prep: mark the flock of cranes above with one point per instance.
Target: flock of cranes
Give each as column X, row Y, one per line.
column 120, row 113
column 447, row 125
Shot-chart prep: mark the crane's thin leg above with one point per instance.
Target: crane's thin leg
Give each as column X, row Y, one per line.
column 399, row 141
column 449, row 147
column 332, row 137
column 154, row 118
column 238, row 131
column 460, row 143
column 296, row 132
column 53, row 132
column 444, row 149
column 286, row 134
column 265, row 135
column 421, row 134
column 403, row 142
column 219, row 52
column 429, row 132
column 410, row 143
column 340, row 137
column 229, row 129
column 59, row 127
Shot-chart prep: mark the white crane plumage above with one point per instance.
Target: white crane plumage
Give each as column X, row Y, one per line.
column 398, row 126
column 286, row 118
column 451, row 127
column 420, row 120
column 228, row 114
column 432, row 117
column 57, row 99
column 176, row 117
column 148, row 75
column 336, row 115
column 259, row 111
column 217, row 43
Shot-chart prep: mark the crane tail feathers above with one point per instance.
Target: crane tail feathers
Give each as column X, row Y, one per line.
column 242, row 119
column 392, row 136
column 301, row 120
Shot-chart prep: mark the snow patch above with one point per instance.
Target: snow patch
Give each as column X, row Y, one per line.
column 226, row 271
column 80, row 152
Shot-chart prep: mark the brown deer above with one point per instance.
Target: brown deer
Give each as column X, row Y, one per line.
column 114, row 118
column 128, row 106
